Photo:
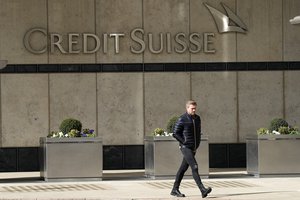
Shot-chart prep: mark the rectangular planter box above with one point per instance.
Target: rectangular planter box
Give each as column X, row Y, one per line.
column 163, row 157
column 273, row 155
column 71, row 158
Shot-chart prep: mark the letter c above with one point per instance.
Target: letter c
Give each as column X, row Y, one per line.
column 27, row 41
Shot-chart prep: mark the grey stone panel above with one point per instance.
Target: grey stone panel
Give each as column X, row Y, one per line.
column 118, row 16
column 73, row 95
column 203, row 22
column 71, row 16
column 260, row 98
column 216, row 95
column 120, row 108
column 168, row 16
column 292, row 96
column 24, row 99
column 17, row 17
column 291, row 47
column 263, row 41
column 165, row 97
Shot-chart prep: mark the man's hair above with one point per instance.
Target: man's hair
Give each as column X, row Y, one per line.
column 190, row 102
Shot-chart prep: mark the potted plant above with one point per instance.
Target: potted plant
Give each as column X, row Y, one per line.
column 71, row 153
column 160, row 132
column 71, row 128
column 274, row 150
column 162, row 154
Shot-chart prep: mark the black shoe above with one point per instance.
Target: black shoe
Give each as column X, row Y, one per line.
column 205, row 192
column 177, row 193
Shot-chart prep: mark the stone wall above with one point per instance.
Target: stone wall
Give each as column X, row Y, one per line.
column 269, row 35
column 123, row 107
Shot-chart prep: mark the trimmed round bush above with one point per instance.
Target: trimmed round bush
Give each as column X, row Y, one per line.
column 171, row 124
column 277, row 123
column 68, row 124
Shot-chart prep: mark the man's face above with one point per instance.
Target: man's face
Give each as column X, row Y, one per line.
column 191, row 109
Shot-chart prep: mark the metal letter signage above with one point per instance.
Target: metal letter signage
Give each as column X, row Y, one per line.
column 295, row 20
column 222, row 20
column 3, row 64
column 40, row 41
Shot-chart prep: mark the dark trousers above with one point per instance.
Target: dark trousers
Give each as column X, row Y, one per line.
column 188, row 160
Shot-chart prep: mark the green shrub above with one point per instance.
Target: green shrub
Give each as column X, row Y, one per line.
column 74, row 133
column 171, row 124
column 285, row 130
column 262, row 131
column 277, row 123
column 158, row 132
column 70, row 124
column 294, row 131
column 280, row 126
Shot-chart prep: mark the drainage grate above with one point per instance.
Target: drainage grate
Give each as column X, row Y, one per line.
column 191, row 184
column 51, row 188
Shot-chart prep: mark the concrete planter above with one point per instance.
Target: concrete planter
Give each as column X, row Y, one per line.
column 163, row 157
column 71, row 158
column 273, row 155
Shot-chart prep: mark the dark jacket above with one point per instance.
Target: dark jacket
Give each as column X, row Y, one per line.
column 186, row 132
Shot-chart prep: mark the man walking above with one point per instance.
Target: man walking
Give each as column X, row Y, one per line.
column 187, row 132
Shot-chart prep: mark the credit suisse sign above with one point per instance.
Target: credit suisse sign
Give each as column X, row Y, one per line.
column 140, row 40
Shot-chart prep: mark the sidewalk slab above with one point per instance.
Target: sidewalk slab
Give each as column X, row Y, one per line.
column 241, row 188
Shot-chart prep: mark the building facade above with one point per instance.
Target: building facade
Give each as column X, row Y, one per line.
column 125, row 67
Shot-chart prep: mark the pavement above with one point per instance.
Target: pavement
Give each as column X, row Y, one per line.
column 132, row 184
